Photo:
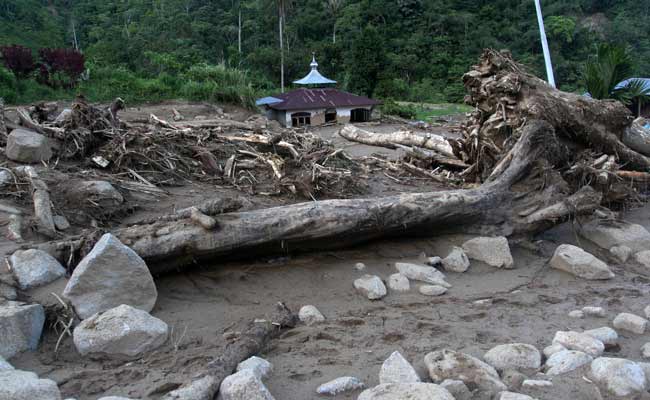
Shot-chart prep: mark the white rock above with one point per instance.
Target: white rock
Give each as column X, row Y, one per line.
column 396, row 369
column 578, row 262
column 406, row 391
column 310, row 315
column 630, row 322
column 493, row 251
column 27, row 146
column 360, row 266
column 259, row 366
column 244, row 385
column 449, row 364
column 456, row 261
column 340, row 385
column 645, row 366
column 432, row 290
column 514, row 396
column 594, row 311
column 110, row 275
column 536, row 384
column 23, row 385
column 552, row 349
column 370, row 286
column 434, row 261
column 422, row 273
column 515, row 356
column 483, row 303
column 6, row 178
column 580, row 342
column 566, row 361
column 643, row 258
column 606, row 335
column 61, row 222
column 21, row 326
column 646, row 312
column 33, row 268
column 609, row 233
column 4, row 365
column 622, row 377
column 645, row 350
column 121, row 331
column 621, row 253
column 399, row 283
column 578, row 314
column 458, row 389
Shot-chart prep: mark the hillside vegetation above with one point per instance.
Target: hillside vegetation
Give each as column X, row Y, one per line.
column 412, row 50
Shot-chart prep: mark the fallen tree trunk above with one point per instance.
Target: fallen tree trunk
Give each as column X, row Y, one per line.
column 405, row 138
column 41, row 199
column 252, row 340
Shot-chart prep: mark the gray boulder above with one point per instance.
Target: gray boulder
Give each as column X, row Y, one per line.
column 4, row 365
column 449, row 364
column 606, row 335
column 396, row 369
column 514, row 396
column 33, row 268
column 110, row 275
column 259, row 366
column 621, row 253
column 122, row 332
column 643, row 258
column 566, row 361
column 21, row 326
column 340, row 385
column 27, row 146
column 609, row 233
column 23, row 385
column 493, row 251
column 370, row 286
column 458, row 389
column 456, row 261
column 630, row 322
column 515, row 356
column 422, row 273
column 578, row 262
column 310, row 315
column 580, row 342
column 621, row 377
column 403, row 391
column 6, row 178
column 399, row 283
column 115, row 398
column 244, row 385
column 100, row 192
column 432, row 290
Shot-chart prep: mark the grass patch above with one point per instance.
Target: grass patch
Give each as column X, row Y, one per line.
column 429, row 111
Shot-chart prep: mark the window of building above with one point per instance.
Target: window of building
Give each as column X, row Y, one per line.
column 300, row 119
column 359, row 115
column 330, row 115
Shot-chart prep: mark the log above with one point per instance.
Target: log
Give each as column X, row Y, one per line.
column 390, row 140
column 41, row 199
column 252, row 340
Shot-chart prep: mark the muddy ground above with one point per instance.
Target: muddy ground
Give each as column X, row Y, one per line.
column 201, row 304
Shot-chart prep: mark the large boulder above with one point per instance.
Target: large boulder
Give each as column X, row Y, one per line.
column 396, row 369
column 621, row 377
column 566, row 361
column 630, row 322
column 370, row 286
column 27, row 146
column 580, row 342
column 422, row 273
column 449, row 364
column 578, row 262
column 609, row 233
column 33, row 268
column 23, row 385
column 110, row 275
column 493, row 251
column 410, row 391
column 259, row 366
column 605, row 334
column 244, row 385
column 21, row 326
column 121, row 332
column 517, row 356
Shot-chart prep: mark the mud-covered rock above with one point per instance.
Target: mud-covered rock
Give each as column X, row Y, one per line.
column 396, row 369
column 122, row 332
column 258, row 365
column 27, row 146
column 33, row 268
column 21, row 326
column 621, row 377
column 493, row 251
column 517, row 356
column 449, row 364
column 456, row 261
column 310, row 315
column 244, row 385
column 609, row 233
column 422, row 273
column 370, row 286
column 410, row 391
column 578, row 262
column 110, row 275
column 340, row 385
column 24, row 385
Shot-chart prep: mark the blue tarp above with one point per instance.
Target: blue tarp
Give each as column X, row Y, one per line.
column 267, row 100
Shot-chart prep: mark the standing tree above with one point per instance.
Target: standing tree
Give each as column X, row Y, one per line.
column 334, row 7
column 282, row 13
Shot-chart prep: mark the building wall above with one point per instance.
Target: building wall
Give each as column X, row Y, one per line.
column 317, row 115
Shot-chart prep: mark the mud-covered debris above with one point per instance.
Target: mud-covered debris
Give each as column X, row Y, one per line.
column 21, row 326
column 631, row 323
column 493, row 251
column 310, row 315
column 340, row 385
column 33, row 268
column 576, row 261
column 122, row 331
column 396, row 369
column 370, row 286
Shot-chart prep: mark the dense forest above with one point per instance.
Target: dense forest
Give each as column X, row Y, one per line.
column 404, row 49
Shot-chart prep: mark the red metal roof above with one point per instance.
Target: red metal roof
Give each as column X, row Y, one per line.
column 307, row 99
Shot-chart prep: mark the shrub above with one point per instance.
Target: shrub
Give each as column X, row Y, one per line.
column 7, row 86
column 19, row 60
column 390, row 107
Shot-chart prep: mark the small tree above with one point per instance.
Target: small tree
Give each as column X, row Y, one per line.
column 60, row 67
column 19, row 60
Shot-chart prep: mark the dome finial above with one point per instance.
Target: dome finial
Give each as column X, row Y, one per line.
column 313, row 64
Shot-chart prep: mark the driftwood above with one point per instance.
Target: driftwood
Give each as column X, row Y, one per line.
column 405, row 138
column 251, row 341
column 41, row 199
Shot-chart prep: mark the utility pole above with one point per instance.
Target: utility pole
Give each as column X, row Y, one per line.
column 547, row 53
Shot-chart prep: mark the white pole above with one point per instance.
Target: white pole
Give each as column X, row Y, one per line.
column 547, row 53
